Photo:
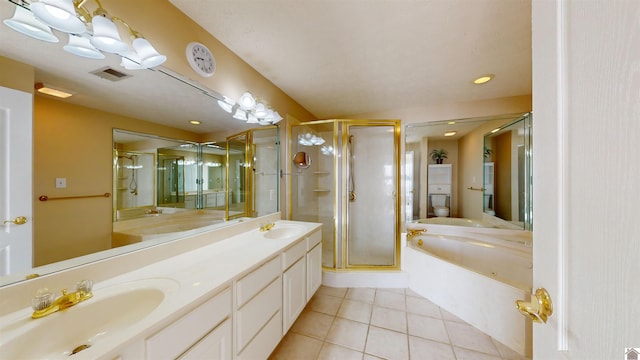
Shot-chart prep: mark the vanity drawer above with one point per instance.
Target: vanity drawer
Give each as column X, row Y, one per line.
column 314, row 239
column 173, row 340
column 257, row 312
column 292, row 254
column 250, row 285
column 264, row 343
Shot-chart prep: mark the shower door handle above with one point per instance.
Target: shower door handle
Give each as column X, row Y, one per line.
column 540, row 307
column 352, row 196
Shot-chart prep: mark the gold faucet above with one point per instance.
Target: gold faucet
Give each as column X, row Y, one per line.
column 44, row 304
column 267, row 227
column 415, row 232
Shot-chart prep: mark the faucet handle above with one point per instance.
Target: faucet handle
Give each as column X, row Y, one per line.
column 42, row 300
column 84, row 286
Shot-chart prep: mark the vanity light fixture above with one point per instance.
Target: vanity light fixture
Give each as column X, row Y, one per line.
column 50, row 90
column 90, row 32
column 250, row 109
column 483, row 79
column 450, row 133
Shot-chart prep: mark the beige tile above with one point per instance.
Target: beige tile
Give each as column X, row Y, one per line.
column 423, row 349
column 296, row 347
column 371, row 357
column 387, row 344
column 331, row 291
column 313, row 324
column 422, row 306
column 355, row 310
column 507, row 353
column 466, row 354
column 361, row 294
column 390, row 300
column 348, row 333
column 410, row 292
column 325, row 304
column 335, row 352
column 427, row 327
column 450, row 317
column 390, row 319
column 393, row 290
column 468, row 337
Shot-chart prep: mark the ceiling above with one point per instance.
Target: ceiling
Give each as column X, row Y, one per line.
column 345, row 57
column 337, row 58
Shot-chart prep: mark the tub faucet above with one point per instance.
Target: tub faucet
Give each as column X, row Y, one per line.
column 415, row 232
column 267, row 227
column 44, row 304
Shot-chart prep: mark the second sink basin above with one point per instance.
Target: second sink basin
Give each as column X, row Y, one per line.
column 281, row 231
column 77, row 328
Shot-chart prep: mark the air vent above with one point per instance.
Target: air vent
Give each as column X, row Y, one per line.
column 110, row 74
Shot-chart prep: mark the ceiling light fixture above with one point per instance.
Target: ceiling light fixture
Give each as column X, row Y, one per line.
column 90, row 32
column 53, row 91
column 483, row 79
column 249, row 109
column 450, row 133
column 194, row 122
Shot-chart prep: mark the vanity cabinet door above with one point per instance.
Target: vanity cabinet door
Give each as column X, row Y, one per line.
column 175, row 339
column 294, row 293
column 214, row 346
column 314, row 270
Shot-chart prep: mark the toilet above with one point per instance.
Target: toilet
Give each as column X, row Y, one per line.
column 439, row 203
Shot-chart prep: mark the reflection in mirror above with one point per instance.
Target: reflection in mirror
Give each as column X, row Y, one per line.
column 456, row 195
column 507, row 172
column 156, row 101
column 301, row 160
column 238, row 176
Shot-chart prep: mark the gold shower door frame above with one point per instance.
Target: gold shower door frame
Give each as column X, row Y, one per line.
column 341, row 199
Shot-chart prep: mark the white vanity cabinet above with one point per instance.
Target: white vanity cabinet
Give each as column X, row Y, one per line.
column 206, row 329
column 302, row 265
column 258, row 311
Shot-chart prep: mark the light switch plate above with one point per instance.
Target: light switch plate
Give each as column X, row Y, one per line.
column 61, row 183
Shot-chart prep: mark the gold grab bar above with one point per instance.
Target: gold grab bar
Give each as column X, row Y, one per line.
column 476, row 189
column 46, row 198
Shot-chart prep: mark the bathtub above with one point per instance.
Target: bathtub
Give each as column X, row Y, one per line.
column 165, row 226
column 475, row 276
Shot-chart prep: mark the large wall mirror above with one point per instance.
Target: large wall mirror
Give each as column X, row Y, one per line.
column 476, row 169
column 160, row 162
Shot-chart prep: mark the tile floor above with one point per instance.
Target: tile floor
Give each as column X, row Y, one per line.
column 397, row 324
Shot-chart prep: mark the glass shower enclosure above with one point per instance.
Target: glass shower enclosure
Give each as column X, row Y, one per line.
column 350, row 183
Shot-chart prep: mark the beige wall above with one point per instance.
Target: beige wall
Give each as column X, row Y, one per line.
column 16, row 75
column 75, row 143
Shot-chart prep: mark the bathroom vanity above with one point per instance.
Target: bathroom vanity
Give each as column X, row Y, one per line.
column 233, row 298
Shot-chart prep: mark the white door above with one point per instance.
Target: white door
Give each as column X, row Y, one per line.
column 586, row 101
column 16, row 109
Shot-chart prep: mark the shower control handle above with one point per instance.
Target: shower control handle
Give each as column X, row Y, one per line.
column 540, row 307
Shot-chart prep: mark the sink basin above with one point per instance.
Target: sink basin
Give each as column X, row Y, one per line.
column 111, row 310
column 281, row 231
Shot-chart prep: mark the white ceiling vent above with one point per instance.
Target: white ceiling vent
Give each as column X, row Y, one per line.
column 110, row 74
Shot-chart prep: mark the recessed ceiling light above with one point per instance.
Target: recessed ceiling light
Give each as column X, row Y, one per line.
column 483, row 79
column 451, row 122
column 449, row 133
column 495, row 130
column 194, row 122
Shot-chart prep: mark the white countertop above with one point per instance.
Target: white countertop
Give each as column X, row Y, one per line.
column 199, row 273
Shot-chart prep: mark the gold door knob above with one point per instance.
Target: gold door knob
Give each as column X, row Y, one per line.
column 20, row 220
column 540, row 307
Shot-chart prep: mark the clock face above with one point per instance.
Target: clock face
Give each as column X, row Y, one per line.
column 201, row 59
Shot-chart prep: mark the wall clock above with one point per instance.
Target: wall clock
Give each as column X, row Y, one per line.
column 201, row 59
